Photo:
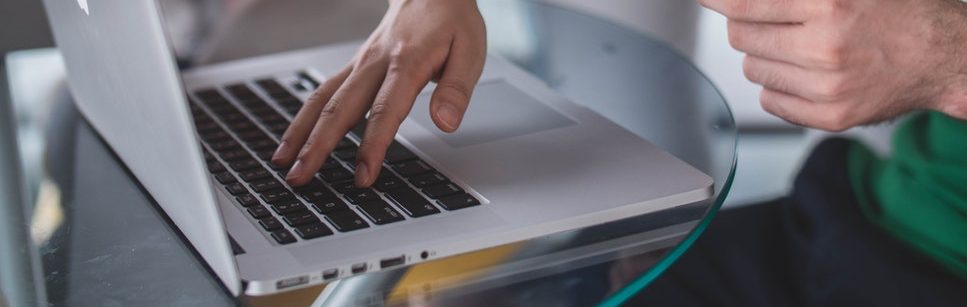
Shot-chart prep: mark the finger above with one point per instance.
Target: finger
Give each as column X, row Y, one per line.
column 780, row 42
column 392, row 104
column 778, row 11
column 460, row 74
column 297, row 132
column 346, row 107
column 818, row 86
column 800, row 111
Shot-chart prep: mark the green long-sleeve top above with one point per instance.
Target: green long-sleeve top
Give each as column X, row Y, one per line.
column 919, row 194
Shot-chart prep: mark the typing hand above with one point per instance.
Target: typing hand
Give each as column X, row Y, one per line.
column 835, row 64
column 416, row 42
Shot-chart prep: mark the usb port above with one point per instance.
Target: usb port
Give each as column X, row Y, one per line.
column 291, row 282
column 330, row 274
column 390, row 262
column 358, row 268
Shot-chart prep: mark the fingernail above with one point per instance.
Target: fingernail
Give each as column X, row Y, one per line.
column 295, row 171
column 448, row 114
column 278, row 151
column 362, row 174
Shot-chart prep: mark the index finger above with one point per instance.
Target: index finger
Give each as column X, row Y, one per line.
column 770, row 11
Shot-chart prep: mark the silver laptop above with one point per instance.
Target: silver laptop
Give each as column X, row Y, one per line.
column 525, row 163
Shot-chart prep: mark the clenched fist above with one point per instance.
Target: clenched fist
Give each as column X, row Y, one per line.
column 835, row 64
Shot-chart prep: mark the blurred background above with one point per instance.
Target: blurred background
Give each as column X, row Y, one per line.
column 770, row 150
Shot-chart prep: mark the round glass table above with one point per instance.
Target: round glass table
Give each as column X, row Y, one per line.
column 77, row 229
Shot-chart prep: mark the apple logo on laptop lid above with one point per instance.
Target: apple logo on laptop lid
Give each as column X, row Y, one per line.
column 83, row 5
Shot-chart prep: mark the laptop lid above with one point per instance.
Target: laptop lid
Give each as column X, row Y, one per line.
column 123, row 76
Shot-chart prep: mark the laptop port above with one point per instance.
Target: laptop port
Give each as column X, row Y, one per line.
column 291, row 282
column 391, row 262
column 359, row 268
column 330, row 274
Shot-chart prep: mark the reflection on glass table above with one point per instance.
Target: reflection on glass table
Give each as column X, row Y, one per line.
column 99, row 238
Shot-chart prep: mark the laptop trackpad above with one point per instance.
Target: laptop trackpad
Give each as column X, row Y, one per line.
column 497, row 110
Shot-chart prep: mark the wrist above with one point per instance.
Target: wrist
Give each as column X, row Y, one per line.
column 953, row 96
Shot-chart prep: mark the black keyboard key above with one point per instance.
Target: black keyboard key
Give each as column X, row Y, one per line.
column 329, row 206
column 315, row 191
column 292, row 109
column 247, row 200
column 275, row 167
column 270, row 223
column 271, row 86
column 215, row 136
column 278, row 128
column 387, row 183
column 458, row 201
column 361, row 196
column 346, row 220
column 263, row 144
column 283, row 236
column 440, row 190
column 411, row 168
column 253, row 136
column 345, row 187
column 305, row 77
column 208, row 94
column 241, row 91
column 208, row 155
column 425, row 180
column 359, row 129
column 225, row 146
column 300, row 218
column 225, row 178
column 266, row 155
column 206, row 127
column 311, row 231
column 412, row 202
column 236, row 188
column 242, row 165
column 288, row 207
column 277, row 196
column 259, row 212
column 232, row 117
column 254, row 174
column 345, row 143
column 347, row 154
column 380, row 212
column 266, row 185
column 234, row 155
column 335, row 174
column 330, row 163
column 215, row 167
column 242, row 125
column 396, row 153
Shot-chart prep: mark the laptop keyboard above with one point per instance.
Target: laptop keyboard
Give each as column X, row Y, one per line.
column 240, row 125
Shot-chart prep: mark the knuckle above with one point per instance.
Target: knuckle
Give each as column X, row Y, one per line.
column 333, row 107
column 750, row 69
column 831, row 89
column 381, row 113
column 835, row 8
column 403, row 52
column 736, row 37
column 734, row 8
column 368, row 55
column 832, row 56
column 836, row 121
